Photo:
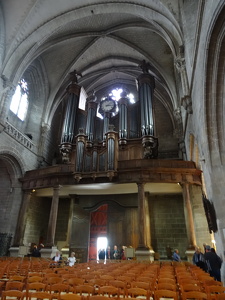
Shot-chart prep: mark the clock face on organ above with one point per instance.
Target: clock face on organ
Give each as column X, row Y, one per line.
column 107, row 105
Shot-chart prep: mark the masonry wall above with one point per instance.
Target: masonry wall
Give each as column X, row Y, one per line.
column 62, row 222
column 168, row 224
column 37, row 220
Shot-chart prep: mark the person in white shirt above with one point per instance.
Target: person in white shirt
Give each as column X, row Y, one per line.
column 72, row 259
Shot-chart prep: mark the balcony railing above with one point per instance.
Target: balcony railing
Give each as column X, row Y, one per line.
column 19, row 136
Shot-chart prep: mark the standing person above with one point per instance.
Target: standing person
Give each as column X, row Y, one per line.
column 122, row 255
column 198, row 258
column 213, row 263
column 204, row 245
column 116, row 254
column 176, row 256
column 72, row 259
column 101, row 254
column 108, row 253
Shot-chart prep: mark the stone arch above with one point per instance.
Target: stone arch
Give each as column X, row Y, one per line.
column 11, row 171
column 214, row 91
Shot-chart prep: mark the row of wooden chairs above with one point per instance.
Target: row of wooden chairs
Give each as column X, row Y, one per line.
column 159, row 294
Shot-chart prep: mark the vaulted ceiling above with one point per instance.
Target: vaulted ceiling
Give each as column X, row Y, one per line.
column 104, row 41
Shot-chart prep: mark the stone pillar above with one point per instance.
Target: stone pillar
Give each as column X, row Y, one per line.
column 189, row 221
column 53, row 217
column 65, row 250
column 21, row 223
column 143, row 252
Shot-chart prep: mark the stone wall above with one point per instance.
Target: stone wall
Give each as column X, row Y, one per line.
column 62, row 222
column 168, row 224
column 37, row 220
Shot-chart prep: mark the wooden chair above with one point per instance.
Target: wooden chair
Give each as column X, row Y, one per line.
column 73, row 282
column 214, row 290
column 143, row 278
column 166, row 286
column 183, row 281
column 136, row 292
column 85, row 289
column 14, row 285
column 99, row 297
column 109, row 290
column 30, row 274
column 141, row 284
column 194, row 295
column 58, row 288
column 35, row 287
column 190, row 287
column 107, row 278
column 166, row 280
column 39, row 295
column 31, row 279
column 69, row 297
column 221, row 297
column 158, row 294
column 121, row 285
column 52, row 280
column 17, row 278
column 13, row 294
column 210, row 282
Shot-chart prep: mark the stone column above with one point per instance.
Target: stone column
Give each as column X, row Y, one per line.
column 143, row 252
column 189, row 221
column 18, row 248
column 141, row 216
column 21, row 223
column 65, row 250
column 53, row 217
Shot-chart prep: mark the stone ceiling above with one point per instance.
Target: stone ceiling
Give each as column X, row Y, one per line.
column 104, row 41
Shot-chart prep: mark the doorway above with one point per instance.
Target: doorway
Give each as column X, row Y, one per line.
column 102, row 243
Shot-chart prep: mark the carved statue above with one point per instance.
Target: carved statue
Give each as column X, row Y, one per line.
column 74, row 76
column 145, row 67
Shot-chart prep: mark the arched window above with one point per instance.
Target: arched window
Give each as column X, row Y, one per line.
column 19, row 103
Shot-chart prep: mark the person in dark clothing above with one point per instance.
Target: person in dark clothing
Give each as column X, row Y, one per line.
column 108, row 253
column 116, row 253
column 57, row 259
column 101, row 254
column 198, row 259
column 213, row 263
column 36, row 250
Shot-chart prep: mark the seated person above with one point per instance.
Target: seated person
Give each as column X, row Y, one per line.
column 71, row 260
column 57, row 258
